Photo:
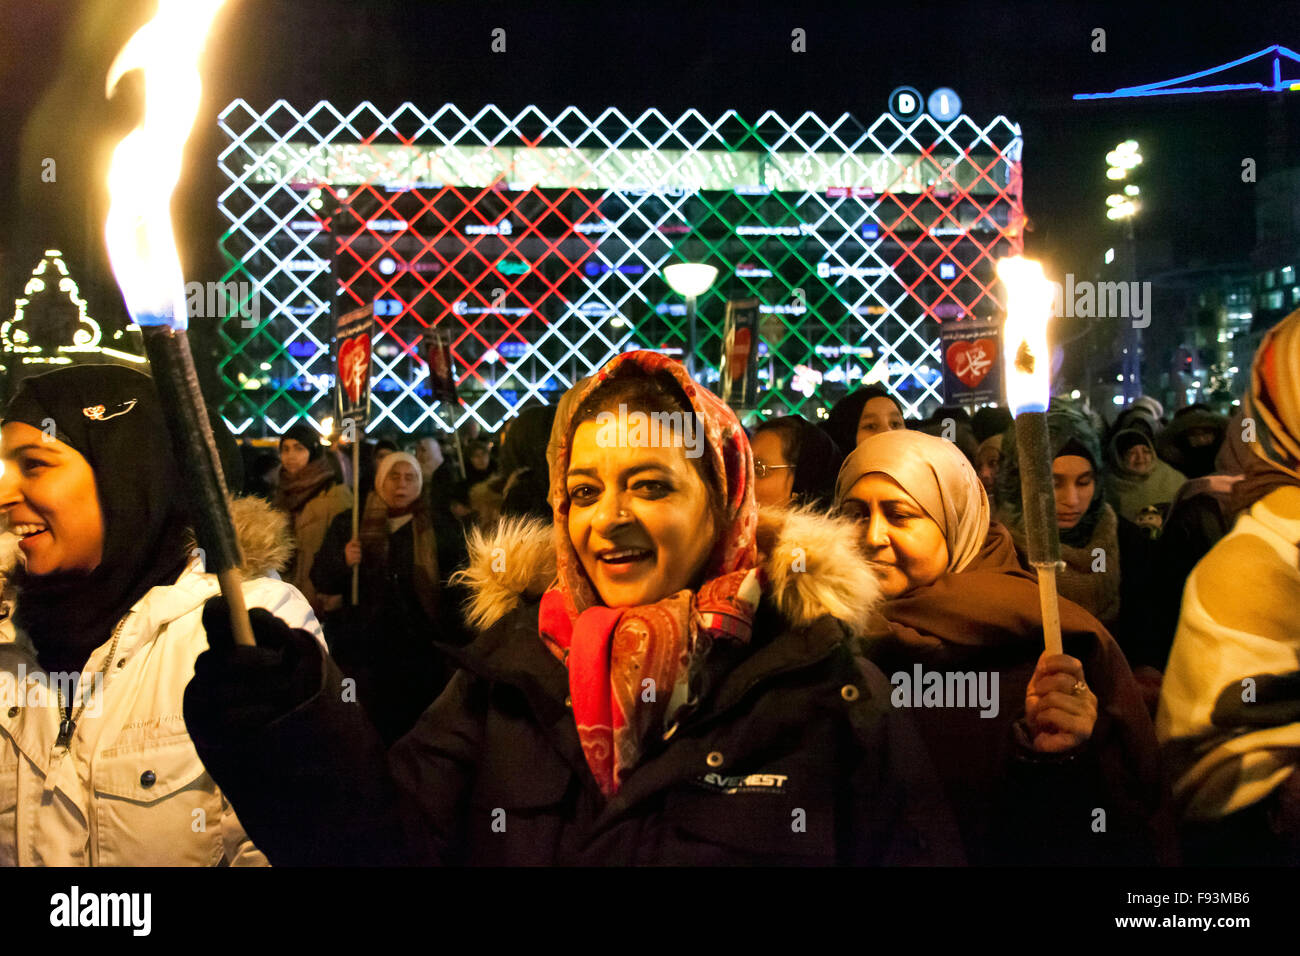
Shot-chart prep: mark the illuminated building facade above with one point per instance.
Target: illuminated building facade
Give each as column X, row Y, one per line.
column 539, row 242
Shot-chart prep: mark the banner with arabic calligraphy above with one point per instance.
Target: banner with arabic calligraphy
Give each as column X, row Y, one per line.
column 352, row 337
column 971, row 362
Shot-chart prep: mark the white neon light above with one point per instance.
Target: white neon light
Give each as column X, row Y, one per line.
column 652, row 164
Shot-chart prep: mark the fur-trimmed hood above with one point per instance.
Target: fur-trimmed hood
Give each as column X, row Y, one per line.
column 811, row 561
column 263, row 534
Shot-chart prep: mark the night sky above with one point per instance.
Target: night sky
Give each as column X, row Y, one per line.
column 1022, row 60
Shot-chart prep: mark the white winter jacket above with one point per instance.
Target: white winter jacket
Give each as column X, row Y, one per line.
column 129, row 790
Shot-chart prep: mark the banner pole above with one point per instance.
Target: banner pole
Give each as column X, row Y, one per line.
column 356, row 502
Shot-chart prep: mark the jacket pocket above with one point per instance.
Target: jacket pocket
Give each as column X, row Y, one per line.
column 156, row 805
column 519, row 803
column 744, row 818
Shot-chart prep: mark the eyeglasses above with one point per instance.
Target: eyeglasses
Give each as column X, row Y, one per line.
column 762, row 470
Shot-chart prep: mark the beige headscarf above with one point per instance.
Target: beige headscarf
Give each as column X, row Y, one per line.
column 934, row 472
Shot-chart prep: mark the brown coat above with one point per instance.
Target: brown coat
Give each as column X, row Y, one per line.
column 309, row 527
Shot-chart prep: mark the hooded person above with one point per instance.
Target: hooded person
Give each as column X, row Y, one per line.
column 1229, row 716
column 990, row 421
column 384, row 640
column 795, row 462
column 523, row 463
column 99, row 769
column 869, row 410
column 1028, row 743
column 1192, row 440
column 1137, row 478
column 478, row 462
column 988, row 461
column 658, row 676
column 521, row 484
column 310, row 493
column 1145, row 414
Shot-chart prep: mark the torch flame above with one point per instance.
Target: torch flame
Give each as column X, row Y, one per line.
column 1024, row 336
column 146, row 164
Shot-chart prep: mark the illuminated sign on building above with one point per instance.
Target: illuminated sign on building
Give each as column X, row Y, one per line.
column 538, row 244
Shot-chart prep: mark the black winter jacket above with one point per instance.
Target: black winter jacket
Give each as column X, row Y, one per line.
column 792, row 754
column 795, row 758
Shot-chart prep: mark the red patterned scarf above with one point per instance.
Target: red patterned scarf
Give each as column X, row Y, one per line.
column 611, row 653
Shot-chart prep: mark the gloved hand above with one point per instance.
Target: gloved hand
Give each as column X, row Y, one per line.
column 239, row 688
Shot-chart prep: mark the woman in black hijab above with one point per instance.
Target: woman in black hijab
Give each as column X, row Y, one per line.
column 867, row 411
column 108, row 416
column 109, row 603
column 526, row 480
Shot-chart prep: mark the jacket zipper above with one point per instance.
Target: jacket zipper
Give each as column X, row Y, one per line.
column 705, row 720
column 68, row 723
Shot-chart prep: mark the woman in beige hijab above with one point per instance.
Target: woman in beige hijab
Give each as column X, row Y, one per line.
column 1029, row 744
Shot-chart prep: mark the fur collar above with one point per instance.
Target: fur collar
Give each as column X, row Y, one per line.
column 812, row 564
column 264, row 536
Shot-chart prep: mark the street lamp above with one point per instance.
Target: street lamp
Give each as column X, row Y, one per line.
column 690, row 279
column 1122, row 207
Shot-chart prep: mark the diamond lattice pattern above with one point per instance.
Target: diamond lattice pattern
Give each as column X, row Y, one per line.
column 538, row 242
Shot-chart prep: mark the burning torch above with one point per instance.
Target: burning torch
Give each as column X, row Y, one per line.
column 143, row 172
column 1028, row 380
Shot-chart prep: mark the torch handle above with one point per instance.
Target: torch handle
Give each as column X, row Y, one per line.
column 200, row 467
column 1038, row 504
column 1050, row 606
column 356, row 505
column 232, row 589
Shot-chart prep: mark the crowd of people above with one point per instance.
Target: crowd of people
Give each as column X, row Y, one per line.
column 808, row 642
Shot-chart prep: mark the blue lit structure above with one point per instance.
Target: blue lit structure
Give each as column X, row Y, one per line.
column 1171, row 87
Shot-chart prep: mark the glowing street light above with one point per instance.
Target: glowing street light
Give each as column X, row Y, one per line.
column 690, row 279
column 1122, row 158
column 1123, row 206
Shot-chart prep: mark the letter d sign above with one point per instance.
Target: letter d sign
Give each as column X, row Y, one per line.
column 905, row 103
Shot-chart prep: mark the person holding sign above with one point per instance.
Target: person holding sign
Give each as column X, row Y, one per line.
column 384, row 637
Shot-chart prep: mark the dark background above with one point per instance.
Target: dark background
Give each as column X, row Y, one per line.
column 1022, row 60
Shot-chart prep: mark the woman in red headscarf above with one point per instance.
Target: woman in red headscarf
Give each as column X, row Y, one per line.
column 659, row 675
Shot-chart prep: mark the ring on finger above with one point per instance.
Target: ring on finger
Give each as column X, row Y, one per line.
column 1078, row 688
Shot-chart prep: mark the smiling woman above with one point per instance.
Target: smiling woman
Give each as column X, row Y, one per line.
column 108, row 608
column 58, row 521
column 660, row 675
column 641, row 516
